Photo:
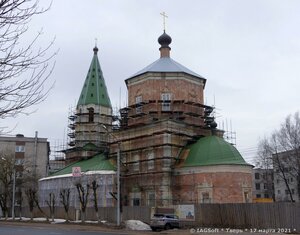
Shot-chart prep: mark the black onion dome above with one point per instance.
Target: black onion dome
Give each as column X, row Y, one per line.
column 95, row 49
column 164, row 40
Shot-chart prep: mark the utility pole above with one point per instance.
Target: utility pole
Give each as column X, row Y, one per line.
column 14, row 193
column 118, row 185
column 118, row 176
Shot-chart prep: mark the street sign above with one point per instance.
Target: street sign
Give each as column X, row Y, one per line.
column 76, row 171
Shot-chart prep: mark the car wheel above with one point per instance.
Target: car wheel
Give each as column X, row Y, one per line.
column 168, row 226
column 154, row 229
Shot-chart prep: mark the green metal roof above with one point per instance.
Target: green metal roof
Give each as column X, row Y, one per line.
column 94, row 90
column 97, row 163
column 212, row 150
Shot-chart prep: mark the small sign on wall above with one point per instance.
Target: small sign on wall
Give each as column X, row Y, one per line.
column 185, row 212
column 76, row 171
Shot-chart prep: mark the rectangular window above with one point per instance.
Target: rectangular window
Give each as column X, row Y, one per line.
column 19, row 162
column 266, row 195
column 292, row 179
column 205, row 197
column 20, row 148
column 257, row 176
column 278, row 191
column 257, row 186
column 293, row 191
column 265, row 186
column 246, row 197
column 286, row 192
column 166, row 101
column 258, row 196
column 151, row 199
column 136, row 201
column 135, row 164
column 138, row 103
column 150, row 158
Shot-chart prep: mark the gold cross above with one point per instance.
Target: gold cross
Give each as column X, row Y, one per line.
column 164, row 19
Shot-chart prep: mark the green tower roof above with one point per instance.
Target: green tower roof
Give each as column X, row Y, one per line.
column 94, row 90
column 96, row 163
column 212, row 150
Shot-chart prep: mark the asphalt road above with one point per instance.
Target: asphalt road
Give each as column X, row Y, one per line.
column 19, row 228
column 45, row 230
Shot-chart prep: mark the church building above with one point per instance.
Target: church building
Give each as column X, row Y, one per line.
column 171, row 151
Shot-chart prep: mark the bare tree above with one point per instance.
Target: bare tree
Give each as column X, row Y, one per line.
column 30, row 194
column 282, row 151
column 24, row 68
column 65, row 200
column 95, row 186
column 7, row 164
column 83, row 195
column 51, row 205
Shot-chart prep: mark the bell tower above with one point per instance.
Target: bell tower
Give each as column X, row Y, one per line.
column 93, row 116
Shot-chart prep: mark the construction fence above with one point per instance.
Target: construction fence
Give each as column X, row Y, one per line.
column 285, row 216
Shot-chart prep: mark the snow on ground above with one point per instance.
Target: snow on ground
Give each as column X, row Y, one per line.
column 86, row 222
column 40, row 219
column 136, row 225
column 57, row 221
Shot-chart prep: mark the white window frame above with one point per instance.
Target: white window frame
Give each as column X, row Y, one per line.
column 166, row 106
column 20, row 148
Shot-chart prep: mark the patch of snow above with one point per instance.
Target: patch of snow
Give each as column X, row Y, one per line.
column 91, row 222
column 58, row 221
column 136, row 225
column 86, row 222
column 103, row 221
column 40, row 219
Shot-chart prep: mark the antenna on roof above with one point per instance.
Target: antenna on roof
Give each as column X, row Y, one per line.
column 96, row 42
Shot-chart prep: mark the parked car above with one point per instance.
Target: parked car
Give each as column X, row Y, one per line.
column 164, row 221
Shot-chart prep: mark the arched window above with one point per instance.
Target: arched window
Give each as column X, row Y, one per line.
column 91, row 114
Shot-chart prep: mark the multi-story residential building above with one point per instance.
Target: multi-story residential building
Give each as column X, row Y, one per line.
column 263, row 187
column 31, row 153
column 286, row 176
column 31, row 157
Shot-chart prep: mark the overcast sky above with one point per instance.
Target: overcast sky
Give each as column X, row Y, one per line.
column 249, row 52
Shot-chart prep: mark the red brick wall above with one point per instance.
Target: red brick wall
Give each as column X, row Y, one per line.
column 151, row 89
column 227, row 187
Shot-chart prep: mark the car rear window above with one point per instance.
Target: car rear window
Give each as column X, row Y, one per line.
column 158, row 215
